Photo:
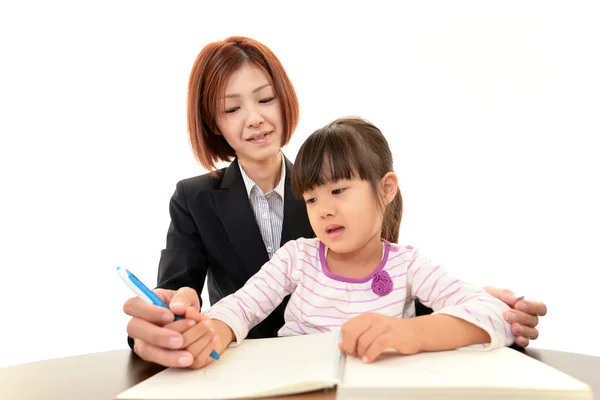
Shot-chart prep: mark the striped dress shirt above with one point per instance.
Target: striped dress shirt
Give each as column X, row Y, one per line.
column 268, row 209
column 321, row 301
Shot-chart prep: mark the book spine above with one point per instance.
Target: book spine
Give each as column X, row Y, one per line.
column 339, row 359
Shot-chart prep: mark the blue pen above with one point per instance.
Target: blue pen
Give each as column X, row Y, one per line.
column 147, row 295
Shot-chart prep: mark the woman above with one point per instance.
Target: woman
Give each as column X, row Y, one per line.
column 242, row 108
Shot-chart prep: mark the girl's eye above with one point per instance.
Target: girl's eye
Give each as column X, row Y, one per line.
column 231, row 110
column 267, row 100
column 310, row 201
column 338, row 191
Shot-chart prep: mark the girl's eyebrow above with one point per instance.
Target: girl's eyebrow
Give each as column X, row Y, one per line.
column 254, row 91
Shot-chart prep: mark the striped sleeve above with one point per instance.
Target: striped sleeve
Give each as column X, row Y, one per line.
column 261, row 294
column 437, row 289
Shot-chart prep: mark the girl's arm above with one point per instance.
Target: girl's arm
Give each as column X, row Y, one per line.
column 261, row 294
column 465, row 315
column 439, row 332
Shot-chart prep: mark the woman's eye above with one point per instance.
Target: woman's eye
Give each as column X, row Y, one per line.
column 267, row 100
column 231, row 110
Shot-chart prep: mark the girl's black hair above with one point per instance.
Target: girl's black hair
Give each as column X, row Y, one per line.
column 348, row 148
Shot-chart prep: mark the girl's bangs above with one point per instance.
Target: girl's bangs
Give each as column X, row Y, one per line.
column 327, row 157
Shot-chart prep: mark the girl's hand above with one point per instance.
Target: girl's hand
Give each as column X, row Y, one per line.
column 203, row 337
column 368, row 335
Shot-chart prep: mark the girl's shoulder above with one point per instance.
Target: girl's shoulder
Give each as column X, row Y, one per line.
column 401, row 251
column 310, row 246
column 301, row 249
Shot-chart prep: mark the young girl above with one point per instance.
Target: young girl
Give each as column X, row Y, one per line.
column 354, row 276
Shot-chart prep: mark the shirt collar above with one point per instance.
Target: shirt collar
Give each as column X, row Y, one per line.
column 250, row 184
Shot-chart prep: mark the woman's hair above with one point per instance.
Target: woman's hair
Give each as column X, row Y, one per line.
column 344, row 149
column 214, row 65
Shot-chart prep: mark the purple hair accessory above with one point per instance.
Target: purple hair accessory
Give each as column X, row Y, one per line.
column 381, row 283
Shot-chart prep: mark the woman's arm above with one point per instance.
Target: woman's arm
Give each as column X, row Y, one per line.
column 183, row 262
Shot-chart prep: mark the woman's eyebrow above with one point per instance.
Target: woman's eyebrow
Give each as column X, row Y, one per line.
column 254, row 91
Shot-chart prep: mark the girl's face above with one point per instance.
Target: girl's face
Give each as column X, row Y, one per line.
column 344, row 215
column 251, row 121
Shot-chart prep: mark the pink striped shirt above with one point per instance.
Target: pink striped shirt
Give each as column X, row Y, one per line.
column 321, row 301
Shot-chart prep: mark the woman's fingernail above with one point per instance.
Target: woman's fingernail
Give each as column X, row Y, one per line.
column 517, row 330
column 365, row 359
column 185, row 360
column 176, row 341
column 191, row 322
column 177, row 304
column 166, row 317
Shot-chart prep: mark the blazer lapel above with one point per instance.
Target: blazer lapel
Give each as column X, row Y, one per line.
column 295, row 217
column 237, row 216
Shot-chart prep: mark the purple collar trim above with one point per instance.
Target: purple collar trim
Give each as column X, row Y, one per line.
column 329, row 274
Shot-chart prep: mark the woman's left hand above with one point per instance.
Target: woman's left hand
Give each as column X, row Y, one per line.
column 523, row 316
column 368, row 335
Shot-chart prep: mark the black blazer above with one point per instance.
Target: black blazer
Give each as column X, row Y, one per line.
column 213, row 232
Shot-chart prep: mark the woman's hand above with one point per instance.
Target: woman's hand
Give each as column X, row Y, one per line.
column 154, row 341
column 523, row 316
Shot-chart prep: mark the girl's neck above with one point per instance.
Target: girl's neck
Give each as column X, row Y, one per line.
column 359, row 263
column 265, row 173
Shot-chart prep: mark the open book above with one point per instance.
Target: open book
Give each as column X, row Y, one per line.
column 288, row 365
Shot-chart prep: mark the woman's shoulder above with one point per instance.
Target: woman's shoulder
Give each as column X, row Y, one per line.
column 201, row 183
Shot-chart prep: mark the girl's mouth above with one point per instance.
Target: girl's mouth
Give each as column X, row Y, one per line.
column 334, row 231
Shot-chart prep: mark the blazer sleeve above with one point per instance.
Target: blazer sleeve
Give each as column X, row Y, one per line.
column 183, row 262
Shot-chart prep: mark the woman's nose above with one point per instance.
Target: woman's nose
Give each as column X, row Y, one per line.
column 254, row 118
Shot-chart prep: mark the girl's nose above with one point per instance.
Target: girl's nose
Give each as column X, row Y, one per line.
column 326, row 211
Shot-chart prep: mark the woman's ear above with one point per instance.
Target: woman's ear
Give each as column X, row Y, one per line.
column 389, row 184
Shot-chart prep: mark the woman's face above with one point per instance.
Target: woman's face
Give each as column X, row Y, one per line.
column 251, row 120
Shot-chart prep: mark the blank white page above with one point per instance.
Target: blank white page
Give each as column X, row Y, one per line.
column 257, row 367
column 501, row 369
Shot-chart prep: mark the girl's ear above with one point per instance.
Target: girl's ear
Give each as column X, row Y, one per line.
column 389, row 184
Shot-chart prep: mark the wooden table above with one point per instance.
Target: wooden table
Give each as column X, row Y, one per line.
column 102, row 376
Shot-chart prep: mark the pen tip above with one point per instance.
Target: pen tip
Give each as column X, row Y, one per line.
column 118, row 268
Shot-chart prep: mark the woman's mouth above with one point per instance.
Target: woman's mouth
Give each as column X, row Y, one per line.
column 260, row 138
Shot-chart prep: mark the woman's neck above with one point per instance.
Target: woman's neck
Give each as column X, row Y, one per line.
column 265, row 173
column 359, row 263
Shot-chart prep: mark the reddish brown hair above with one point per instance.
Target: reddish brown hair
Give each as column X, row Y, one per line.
column 214, row 65
column 344, row 149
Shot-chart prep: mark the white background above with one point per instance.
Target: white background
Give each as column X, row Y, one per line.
column 491, row 109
